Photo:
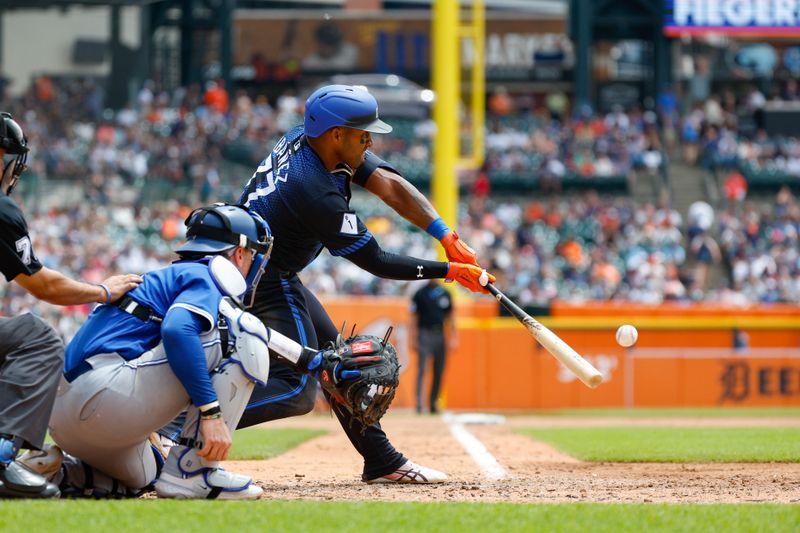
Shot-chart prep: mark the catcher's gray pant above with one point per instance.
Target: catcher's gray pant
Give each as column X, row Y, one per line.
column 106, row 415
column 31, row 360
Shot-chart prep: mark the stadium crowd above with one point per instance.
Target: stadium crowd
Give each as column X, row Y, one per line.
column 725, row 132
column 573, row 247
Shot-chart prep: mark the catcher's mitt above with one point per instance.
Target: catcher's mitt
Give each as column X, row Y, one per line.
column 362, row 374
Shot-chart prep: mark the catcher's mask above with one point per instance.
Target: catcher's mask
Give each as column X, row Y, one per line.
column 13, row 141
column 219, row 228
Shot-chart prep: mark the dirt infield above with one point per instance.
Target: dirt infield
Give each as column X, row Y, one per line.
column 327, row 468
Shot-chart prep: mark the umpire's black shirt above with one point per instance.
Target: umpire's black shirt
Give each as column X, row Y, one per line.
column 432, row 305
column 16, row 252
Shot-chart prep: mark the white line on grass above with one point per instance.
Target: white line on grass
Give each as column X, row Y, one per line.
column 475, row 448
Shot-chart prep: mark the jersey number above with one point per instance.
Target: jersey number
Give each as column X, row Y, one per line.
column 275, row 169
column 24, row 248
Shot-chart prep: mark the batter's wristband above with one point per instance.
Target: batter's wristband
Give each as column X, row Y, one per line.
column 437, row 229
column 108, row 292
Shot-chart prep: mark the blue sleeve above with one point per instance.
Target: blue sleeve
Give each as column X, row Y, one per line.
column 180, row 332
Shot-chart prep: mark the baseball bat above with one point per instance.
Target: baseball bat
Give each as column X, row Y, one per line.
column 551, row 342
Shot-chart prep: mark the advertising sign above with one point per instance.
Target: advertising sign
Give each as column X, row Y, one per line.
column 745, row 18
column 272, row 48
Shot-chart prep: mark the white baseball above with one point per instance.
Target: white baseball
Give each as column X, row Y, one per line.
column 483, row 279
column 627, row 335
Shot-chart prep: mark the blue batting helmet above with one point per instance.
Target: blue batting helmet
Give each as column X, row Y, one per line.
column 342, row 105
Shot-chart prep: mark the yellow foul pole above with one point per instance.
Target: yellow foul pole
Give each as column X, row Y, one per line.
column 476, row 33
column 446, row 81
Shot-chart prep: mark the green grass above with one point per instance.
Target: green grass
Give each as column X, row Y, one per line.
column 265, row 515
column 256, row 443
column 666, row 412
column 674, row 445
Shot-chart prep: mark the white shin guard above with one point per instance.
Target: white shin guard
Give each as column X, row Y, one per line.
column 233, row 389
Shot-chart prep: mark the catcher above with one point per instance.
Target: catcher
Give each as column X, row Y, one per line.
column 180, row 338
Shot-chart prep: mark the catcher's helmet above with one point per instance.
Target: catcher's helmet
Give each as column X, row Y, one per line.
column 219, row 228
column 13, row 141
column 342, row 105
column 11, row 137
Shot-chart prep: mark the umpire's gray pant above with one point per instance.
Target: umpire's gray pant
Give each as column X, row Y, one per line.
column 31, row 360
column 106, row 415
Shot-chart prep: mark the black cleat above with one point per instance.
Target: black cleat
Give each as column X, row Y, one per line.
column 16, row 481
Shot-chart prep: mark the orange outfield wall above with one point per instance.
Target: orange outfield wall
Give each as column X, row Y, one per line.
column 684, row 355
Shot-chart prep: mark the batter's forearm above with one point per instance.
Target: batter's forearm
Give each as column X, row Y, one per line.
column 403, row 197
column 414, row 207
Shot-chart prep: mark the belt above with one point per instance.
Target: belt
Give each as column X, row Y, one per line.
column 142, row 312
column 82, row 368
column 130, row 306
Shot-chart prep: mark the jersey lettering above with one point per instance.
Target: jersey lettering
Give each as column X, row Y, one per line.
column 24, row 248
column 272, row 170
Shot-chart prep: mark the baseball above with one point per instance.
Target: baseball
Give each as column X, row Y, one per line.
column 483, row 279
column 627, row 335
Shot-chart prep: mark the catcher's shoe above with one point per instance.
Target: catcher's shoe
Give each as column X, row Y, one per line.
column 45, row 462
column 411, row 472
column 183, row 477
column 16, row 481
column 210, row 483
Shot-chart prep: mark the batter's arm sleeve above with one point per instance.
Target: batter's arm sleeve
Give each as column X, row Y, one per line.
column 372, row 258
column 180, row 333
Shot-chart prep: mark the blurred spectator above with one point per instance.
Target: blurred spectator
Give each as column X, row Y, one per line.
column 500, row 103
column 216, row 97
column 557, row 105
column 735, row 187
column 706, row 253
column 700, row 80
column 332, row 53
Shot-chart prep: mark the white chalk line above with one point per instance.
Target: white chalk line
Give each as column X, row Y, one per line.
column 475, row 448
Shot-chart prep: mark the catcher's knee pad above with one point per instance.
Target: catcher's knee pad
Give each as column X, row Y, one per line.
column 252, row 341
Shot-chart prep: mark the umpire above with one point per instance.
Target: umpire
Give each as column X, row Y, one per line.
column 31, row 354
column 433, row 311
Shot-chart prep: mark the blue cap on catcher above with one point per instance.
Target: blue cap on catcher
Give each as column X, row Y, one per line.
column 342, row 105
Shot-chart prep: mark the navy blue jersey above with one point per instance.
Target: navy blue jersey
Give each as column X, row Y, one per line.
column 306, row 206
column 16, row 251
